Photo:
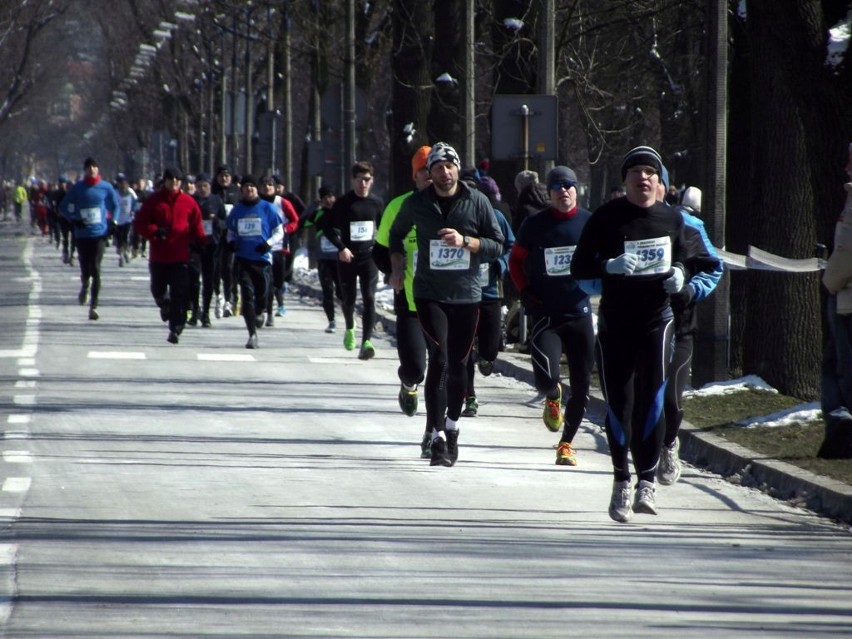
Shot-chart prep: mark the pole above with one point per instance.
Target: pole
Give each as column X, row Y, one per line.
column 349, row 96
column 287, row 98
column 469, row 86
column 547, row 59
column 248, row 160
column 712, row 339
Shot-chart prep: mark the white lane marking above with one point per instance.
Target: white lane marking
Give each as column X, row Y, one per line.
column 139, row 278
column 26, row 361
column 19, row 418
column 17, row 457
column 24, row 400
column 29, row 372
column 16, row 434
column 224, row 357
column 332, row 360
column 17, row 484
column 7, row 554
column 115, row 355
column 25, row 383
column 10, row 513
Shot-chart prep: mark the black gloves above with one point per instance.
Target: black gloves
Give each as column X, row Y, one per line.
column 162, row 232
column 262, row 248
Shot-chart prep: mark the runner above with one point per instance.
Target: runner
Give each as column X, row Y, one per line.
column 560, row 306
column 639, row 250
column 456, row 230
column 254, row 226
column 87, row 205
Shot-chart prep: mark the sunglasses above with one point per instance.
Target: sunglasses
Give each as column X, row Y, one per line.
column 567, row 184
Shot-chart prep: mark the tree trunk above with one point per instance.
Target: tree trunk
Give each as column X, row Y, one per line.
column 782, row 332
column 413, row 35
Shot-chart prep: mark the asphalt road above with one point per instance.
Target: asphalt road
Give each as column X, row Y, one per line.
column 204, row 490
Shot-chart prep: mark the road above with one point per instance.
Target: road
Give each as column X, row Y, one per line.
column 204, row 490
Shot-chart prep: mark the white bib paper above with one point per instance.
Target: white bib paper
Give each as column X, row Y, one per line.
column 557, row 260
column 326, row 246
column 655, row 255
column 448, row 258
column 249, row 226
column 90, row 215
column 361, row 230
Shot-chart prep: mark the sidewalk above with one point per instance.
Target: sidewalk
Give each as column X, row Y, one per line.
column 713, row 453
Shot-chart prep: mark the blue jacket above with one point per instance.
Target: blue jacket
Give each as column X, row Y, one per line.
column 700, row 283
column 251, row 225
column 86, row 206
column 495, row 270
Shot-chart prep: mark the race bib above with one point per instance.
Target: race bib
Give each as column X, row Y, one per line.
column 655, row 255
column 361, row 230
column 249, row 226
column 326, row 246
column 90, row 216
column 448, row 258
column 557, row 260
column 208, row 226
column 484, row 271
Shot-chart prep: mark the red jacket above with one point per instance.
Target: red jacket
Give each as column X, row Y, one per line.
column 179, row 217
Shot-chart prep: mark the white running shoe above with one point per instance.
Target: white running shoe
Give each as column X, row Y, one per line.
column 619, row 503
column 646, row 501
column 217, row 307
column 668, row 470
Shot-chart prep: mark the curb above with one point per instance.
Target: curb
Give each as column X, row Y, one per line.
column 707, row 451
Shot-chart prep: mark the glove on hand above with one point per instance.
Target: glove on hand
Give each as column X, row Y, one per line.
column 262, row 248
column 674, row 282
column 624, row 264
column 162, row 232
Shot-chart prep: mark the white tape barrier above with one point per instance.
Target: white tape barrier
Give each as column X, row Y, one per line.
column 759, row 260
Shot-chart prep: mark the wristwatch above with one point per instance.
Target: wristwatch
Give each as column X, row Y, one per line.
column 466, row 241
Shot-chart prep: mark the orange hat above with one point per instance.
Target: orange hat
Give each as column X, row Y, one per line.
column 418, row 160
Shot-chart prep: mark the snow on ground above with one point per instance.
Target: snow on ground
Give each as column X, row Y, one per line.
column 801, row 413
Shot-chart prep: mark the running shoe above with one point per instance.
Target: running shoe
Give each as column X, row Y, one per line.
column 120, row 261
column 565, row 454
column 408, row 400
column 440, row 457
column 426, row 446
column 646, row 501
column 172, row 338
column 164, row 310
column 553, row 411
column 279, row 312
column 331, row 328
column 252, row 341
column 453, row 446
column 93, row 314
column 619, row 503
column 486, row 367
column 258, row 320
column 367, row 351
column 471, row 407
column 227, row 310
column 668, row 470
column 270, row 320
column 205, row 321
column 349, row 339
